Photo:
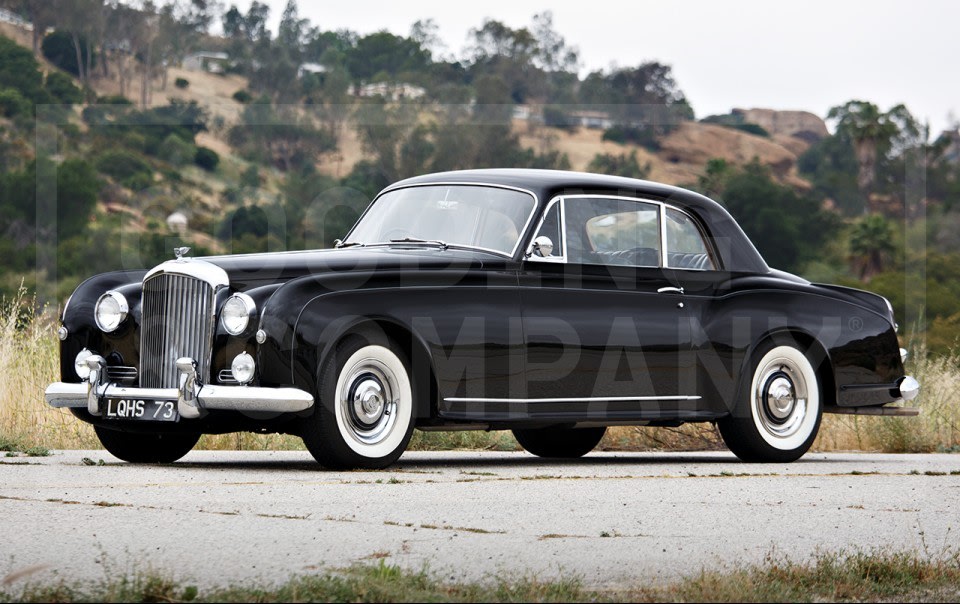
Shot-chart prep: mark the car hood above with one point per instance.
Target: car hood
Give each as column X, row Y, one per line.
column 252, row 270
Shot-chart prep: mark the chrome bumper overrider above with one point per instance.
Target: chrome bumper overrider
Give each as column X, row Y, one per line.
column 191, row 396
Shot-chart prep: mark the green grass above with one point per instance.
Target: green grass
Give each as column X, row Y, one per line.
column 858, row 576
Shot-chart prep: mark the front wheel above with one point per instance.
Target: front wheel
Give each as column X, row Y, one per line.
column 138, row 447
column 777, row 421
column 559, row 441
column 364, row 413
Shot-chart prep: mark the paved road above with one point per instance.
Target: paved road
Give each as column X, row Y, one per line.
column 611, row 519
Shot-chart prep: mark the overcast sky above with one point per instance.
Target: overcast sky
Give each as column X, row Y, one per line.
column 807, row 55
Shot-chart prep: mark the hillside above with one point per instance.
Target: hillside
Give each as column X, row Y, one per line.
column 680, row 161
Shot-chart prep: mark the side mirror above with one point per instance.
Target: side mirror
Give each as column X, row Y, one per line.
column 542, row 246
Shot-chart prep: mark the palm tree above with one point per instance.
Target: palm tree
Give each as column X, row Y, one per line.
column 871, row 246
column 873, row 133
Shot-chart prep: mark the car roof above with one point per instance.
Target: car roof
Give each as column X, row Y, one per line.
column 736, row 251
column 548, row 183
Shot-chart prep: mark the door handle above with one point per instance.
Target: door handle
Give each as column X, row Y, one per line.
column 670, row 290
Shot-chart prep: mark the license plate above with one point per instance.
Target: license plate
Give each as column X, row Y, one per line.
column 142, row 410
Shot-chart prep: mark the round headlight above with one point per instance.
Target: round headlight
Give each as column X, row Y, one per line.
column 243, row 367
column 80, row 364
column 237, row 312
column 110, row 311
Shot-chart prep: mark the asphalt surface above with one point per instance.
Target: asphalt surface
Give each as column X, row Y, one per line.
column 609, row 519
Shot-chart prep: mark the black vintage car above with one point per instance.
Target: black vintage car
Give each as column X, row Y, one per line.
column 553, row 304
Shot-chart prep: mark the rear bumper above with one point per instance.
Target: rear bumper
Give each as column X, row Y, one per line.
column 192, row 397
column 867, row 395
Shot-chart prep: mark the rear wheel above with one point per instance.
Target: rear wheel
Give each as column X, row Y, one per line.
column 778, row 418
column 364, row 413
column 138, row 447
column 559, row 441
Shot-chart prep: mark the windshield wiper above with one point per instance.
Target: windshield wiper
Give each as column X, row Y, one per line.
column 443, row 245
column 340, row 244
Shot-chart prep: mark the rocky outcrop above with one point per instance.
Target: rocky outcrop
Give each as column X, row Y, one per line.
column 801, row 125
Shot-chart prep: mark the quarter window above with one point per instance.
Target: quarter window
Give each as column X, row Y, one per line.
column 685, row 246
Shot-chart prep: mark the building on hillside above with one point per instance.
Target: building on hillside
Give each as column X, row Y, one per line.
column 392, row 91
column 592, row 119
column 310, row 68
column 214, row 62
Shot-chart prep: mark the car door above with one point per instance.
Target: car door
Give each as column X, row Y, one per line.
column 606, row 332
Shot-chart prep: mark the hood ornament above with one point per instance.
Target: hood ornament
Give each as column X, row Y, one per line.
column 180, row 252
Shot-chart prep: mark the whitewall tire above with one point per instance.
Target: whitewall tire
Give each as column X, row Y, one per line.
column 364, row 414
column 778, row 417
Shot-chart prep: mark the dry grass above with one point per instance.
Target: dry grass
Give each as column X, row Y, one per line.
column 937, row 428
column 29, row 361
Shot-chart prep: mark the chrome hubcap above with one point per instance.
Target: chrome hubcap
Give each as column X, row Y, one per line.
column 780, row 399
column 368, row 401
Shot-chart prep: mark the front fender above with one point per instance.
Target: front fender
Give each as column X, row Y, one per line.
column 82, row 330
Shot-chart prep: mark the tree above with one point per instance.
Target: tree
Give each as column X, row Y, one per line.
column 871, row 246
column 787, row 228
column 508, row 54
column 875, row 135
column 385, row 53
column 282, row 136
column 425, row 33
column 646, row 96
column 83, row 20
column 831, row 165
column 123, row 25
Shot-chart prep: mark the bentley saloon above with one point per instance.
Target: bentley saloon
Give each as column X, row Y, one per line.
column 553, row 304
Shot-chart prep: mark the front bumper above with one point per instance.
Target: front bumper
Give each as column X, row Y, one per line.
column 192, row 397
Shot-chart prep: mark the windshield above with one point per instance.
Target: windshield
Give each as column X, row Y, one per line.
column 467, row 215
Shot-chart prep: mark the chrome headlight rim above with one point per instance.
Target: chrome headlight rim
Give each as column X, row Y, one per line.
column 244, row 314
column 121, row 311
column 80, row 364
column 243, row 368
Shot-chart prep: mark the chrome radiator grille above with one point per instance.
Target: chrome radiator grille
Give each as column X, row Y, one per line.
column 178, row 321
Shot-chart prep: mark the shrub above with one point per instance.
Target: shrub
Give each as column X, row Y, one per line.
column 177, row 151
column 637, row 135
column 206, row 159
column 619, row 165
column 250, row 177
column 13, row 104
column 19, row 71
column 126, row 168
column 242, row 96
column 181, row 83
column 61, row 86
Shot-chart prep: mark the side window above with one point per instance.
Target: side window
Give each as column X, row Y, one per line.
column 612, row 231
column 551, row 228
column 685, row 246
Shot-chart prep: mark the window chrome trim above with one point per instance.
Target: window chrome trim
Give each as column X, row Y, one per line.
column 521, row 232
